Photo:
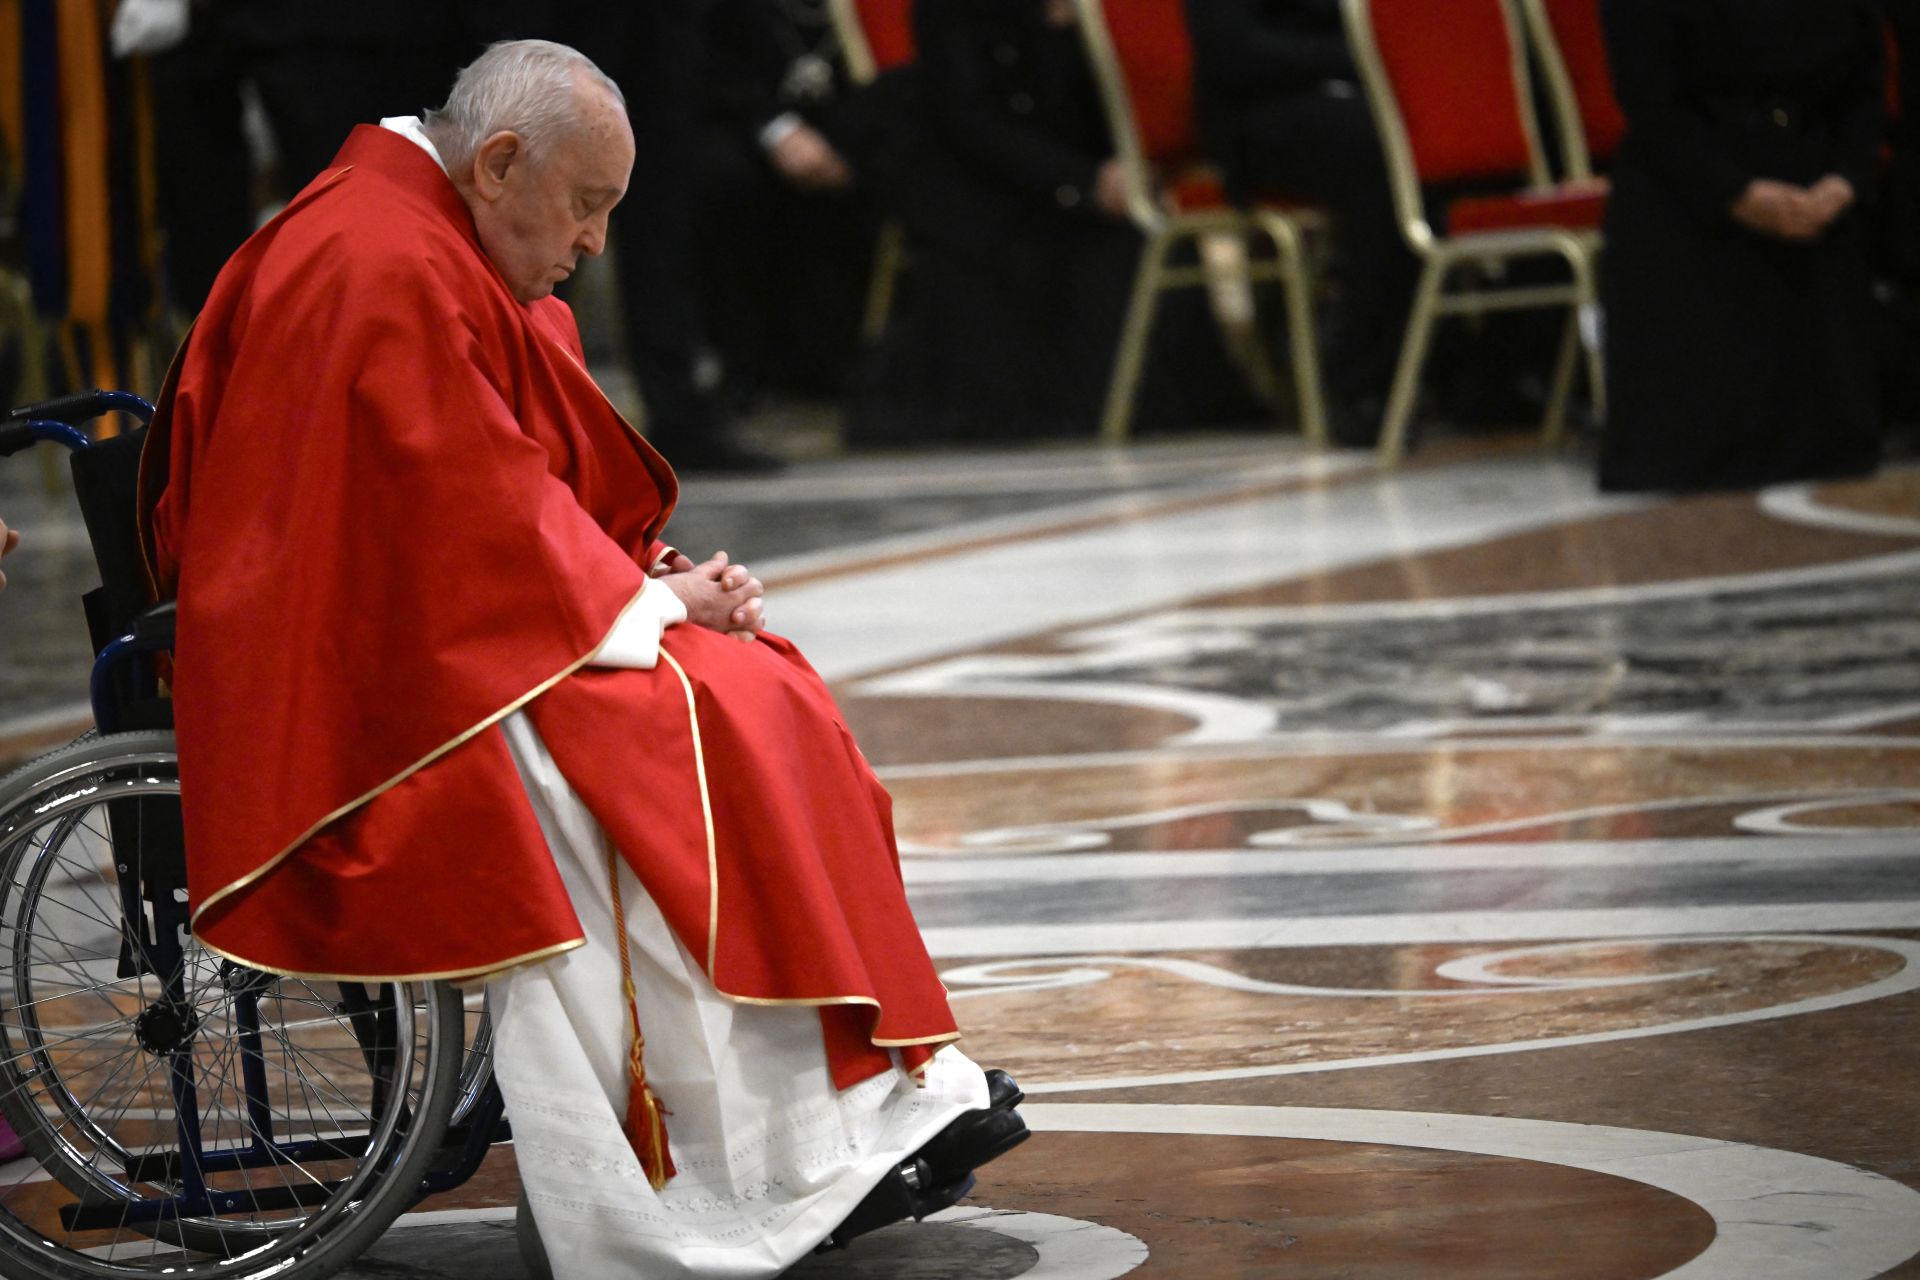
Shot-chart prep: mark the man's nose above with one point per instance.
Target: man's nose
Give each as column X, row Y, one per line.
column 593, row 238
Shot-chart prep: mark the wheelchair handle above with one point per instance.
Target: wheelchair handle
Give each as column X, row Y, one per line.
column 23, row 435
column 81, row 406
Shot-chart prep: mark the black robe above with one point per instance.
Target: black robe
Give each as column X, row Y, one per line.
column 1013, row 303
column 1737, row 360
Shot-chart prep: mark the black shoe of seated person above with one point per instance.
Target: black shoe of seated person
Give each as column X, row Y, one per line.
column 976, row 1137
column 942, row 1171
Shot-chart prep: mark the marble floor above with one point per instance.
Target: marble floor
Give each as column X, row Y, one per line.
column 1444, row 873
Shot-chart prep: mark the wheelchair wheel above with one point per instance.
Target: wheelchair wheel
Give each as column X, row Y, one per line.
column 183, row 1114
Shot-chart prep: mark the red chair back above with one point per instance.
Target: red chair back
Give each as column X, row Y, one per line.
column 1452, row 68
column 1583, row 47
column 888, row 27
column 1155, row 55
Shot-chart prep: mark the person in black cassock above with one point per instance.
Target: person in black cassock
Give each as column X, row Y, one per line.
column 1281, row 112
column 1900, row 231
column 1004, row 176
column 1737, row 268
column 657, row 51
column 786, row 233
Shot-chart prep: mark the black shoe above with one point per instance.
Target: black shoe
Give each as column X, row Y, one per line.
column 974, row 1138
column 1002, row 1092
column 904, row 1193
column 971, row 1141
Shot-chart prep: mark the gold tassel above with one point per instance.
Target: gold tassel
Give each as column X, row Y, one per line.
column 646, row 1123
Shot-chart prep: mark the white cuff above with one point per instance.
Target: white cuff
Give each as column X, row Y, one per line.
column 635, row 638
column 147, row 26
column 778, row 128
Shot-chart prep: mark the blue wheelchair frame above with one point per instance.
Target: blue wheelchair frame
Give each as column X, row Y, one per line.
column 467, row 1140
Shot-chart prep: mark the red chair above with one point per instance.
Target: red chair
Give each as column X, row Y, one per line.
column 1142, row 56
column 877, row 36
column 1449, row 90
column 1572, row 52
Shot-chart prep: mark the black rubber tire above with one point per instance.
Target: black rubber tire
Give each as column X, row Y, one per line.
column 35, row 800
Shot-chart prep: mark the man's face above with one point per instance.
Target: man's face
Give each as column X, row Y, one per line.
column 536, row 217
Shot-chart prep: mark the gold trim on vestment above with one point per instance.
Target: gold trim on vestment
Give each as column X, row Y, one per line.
column 945, row 1037
column 713, row 896
column 706, row 813
column 808, row 1001
column 257, row 873
column 450, row 975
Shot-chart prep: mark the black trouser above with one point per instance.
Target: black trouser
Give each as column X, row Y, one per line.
column 1321, row 146
column 656, row 52
column 783, row 272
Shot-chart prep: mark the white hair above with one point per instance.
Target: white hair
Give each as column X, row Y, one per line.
column 525, row 86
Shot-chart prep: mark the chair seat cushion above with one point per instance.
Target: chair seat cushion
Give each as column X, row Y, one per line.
column 1198, row 190
column 1577, row 206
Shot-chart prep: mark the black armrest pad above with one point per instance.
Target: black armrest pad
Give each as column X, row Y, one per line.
column 155, row 626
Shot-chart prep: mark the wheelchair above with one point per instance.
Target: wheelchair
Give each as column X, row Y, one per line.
column 183, row 1114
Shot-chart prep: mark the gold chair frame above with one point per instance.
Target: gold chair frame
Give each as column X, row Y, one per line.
column 1440, row 255
column 1165, row 230
column 1576, row 159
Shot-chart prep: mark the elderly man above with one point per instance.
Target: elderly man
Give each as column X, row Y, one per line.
column 448, row 706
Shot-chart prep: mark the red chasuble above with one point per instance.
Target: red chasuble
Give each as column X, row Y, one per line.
column 394, row 509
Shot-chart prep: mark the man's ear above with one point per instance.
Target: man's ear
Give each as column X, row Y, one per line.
column 492, row 162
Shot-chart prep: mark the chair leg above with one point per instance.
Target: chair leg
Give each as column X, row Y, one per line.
column 1413, row 356
column 1117, row 421
column 1596, row 361
column 1587, row 295
column 1296, row 279
column 888, row 252
column 1563, row 367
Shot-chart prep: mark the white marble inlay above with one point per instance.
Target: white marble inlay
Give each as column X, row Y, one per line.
column 1901, row 982
column 1105, row 868
column 1795, row 819
column 1778, row 1215
column 1800, row 504
column 1207, row 477
column 1428, row 668
column 866, row 622
column 1489, row 970
column 1069, row 1248
column 1413, row 927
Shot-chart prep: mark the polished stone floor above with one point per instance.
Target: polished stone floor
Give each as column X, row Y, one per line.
column 1447, row 873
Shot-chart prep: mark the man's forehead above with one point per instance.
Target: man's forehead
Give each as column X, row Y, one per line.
column 603, row 139
column 586, row 158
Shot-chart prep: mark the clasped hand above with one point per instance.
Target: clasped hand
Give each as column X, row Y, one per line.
column 718, row 595
column 1788, row 212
